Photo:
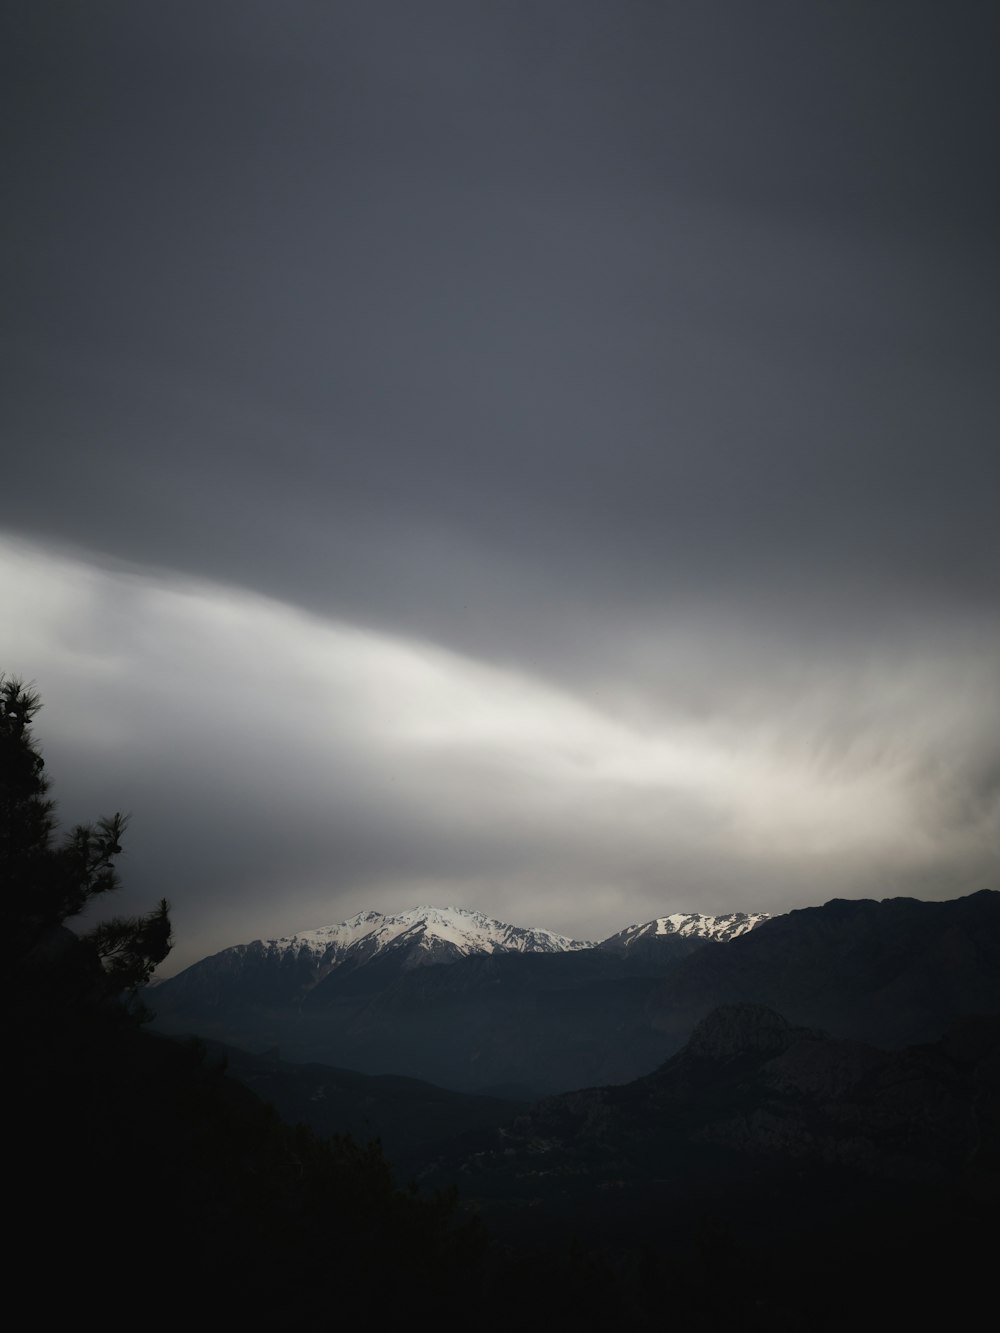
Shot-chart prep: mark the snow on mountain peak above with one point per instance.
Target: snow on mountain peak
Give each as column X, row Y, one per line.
column 690, row 925
column 443, row 931
column 725, row 927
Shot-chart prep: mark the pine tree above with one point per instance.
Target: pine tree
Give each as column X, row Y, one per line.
column 44, row 883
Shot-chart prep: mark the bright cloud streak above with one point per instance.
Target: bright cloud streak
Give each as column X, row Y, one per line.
column 356, row 769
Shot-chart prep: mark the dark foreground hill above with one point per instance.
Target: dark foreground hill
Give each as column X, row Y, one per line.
column 751, row 1098
column 147, row 1186
column 771, row 1174
column 764, row 1178
column 411, row 1119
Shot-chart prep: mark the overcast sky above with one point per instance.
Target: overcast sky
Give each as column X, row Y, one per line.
column 540, row 456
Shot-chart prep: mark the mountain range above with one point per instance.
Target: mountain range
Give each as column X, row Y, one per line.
column 801, row 1122
column 523, row 1014
column 444, row 994
column 296, row 964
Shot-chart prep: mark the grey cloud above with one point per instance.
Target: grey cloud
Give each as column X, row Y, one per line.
column 648, row 351
column 276, row 784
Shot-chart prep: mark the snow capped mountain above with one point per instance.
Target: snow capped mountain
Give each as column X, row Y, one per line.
column 374, row 950
column 367, row 952
column 687, row 925
column 511, row 1006
column 429, row 934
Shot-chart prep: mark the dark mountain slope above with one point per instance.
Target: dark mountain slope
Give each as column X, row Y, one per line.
column 410, row 1118
column 888, row 972
column 794, row 1179
column 520, row 1024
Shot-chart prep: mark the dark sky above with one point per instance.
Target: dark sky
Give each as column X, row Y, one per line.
column 535, row 456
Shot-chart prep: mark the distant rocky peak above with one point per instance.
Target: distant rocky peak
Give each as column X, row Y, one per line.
column 687, row 925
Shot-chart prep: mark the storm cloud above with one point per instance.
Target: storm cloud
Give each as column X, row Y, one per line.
column 535, row 456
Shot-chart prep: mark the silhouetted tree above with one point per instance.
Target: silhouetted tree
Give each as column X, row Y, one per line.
column 44, row 883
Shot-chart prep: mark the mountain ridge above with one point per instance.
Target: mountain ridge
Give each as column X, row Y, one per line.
column 443, row 994
column 892, row 972
column 437, row 935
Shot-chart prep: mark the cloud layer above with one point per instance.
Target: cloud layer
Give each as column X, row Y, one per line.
column 541, row 456
column 284, row 771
